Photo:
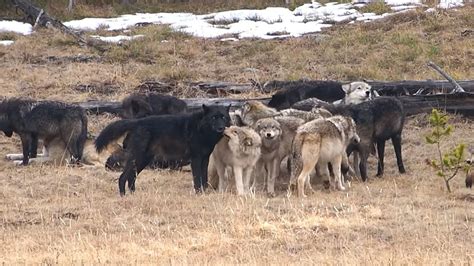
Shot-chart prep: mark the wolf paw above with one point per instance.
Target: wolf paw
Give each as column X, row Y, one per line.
column 14, row 156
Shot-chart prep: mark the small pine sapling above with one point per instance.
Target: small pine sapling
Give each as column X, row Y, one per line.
column 448, row 164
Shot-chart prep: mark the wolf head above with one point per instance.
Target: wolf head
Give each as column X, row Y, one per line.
column 216, row 117
column 242, row 138
column 269, row 129
column 357, row 92
column 5, row 124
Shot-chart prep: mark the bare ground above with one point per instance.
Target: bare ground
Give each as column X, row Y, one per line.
column 74, row 215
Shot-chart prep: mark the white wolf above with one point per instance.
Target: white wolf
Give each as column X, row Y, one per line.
column 356, row 92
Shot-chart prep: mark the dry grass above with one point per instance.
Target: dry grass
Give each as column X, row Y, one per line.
column 74, row 215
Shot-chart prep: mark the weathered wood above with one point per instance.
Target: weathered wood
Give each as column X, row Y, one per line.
column 38, row 17
column 462, row 103
column 219, row 86
column 385, row 88
column 99, row 107
column 456, row 86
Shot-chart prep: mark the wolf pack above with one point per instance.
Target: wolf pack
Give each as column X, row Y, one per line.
column 325, row 131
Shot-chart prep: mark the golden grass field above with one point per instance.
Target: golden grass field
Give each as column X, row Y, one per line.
column 74, row 215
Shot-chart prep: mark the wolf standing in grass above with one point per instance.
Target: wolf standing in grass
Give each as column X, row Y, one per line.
column 318, row 143
column 168, row 137
column 46, row 120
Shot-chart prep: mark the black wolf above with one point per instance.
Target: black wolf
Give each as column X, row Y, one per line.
column 328, row 91
column 190, row 136
column 140, row 105
column 46, row 120
column 377, row 121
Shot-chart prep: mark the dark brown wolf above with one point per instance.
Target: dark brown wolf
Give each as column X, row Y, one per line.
column 46, row 120
column 140, row 105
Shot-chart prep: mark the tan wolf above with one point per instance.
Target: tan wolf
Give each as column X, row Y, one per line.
column 320, row 142
column 236, row 154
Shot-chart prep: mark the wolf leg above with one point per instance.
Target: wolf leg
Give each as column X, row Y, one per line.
column 139, row 141
column 128, row 172
column 247, row 175
column 273, row 168
column 356, row 163
column 26, row 145
column 204, row 166
column 336, row 167
column 221, row 172
column 397, row 145
column 381, row 154
column 363, row 164
column 239, row 185
column 34, row 146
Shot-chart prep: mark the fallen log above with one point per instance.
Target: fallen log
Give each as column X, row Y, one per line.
column 38, row 17
column 459, row 103
column 194, row 104
column 385, row 88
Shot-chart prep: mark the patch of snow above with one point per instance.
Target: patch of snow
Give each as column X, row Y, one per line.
column 118, row 38
column 268, row 23
column 15, row 26
column 6, row 43
column 445, row 4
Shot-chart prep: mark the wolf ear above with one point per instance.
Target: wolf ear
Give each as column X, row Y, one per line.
column 205, row 108
column 346, row 88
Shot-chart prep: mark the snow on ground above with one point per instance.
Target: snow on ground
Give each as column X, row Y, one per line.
column 6, row 43
column 15, row 26
column 269, row 23
column 118, row 38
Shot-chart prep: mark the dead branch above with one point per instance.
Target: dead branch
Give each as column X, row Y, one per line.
column 38, row 17
column 457, row 87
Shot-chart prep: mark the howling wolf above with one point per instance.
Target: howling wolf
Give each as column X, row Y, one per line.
column 47, row 120
column 189, row 136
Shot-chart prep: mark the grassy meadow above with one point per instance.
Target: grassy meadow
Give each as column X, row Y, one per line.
column 74, row 215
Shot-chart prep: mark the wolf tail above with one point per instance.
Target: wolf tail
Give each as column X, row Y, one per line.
column 112, row 132
column 296, row 164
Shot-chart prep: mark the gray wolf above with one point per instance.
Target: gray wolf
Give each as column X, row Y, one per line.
column 190, row 136
column 315, row 113
column 254, row 110
column 377, row 121
column 318, row 143
column 356, row 92
column 237, row 154
column 55, row 152
column 140, row 105
column 328, row 91
column 277, row 134
column 47, row 120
